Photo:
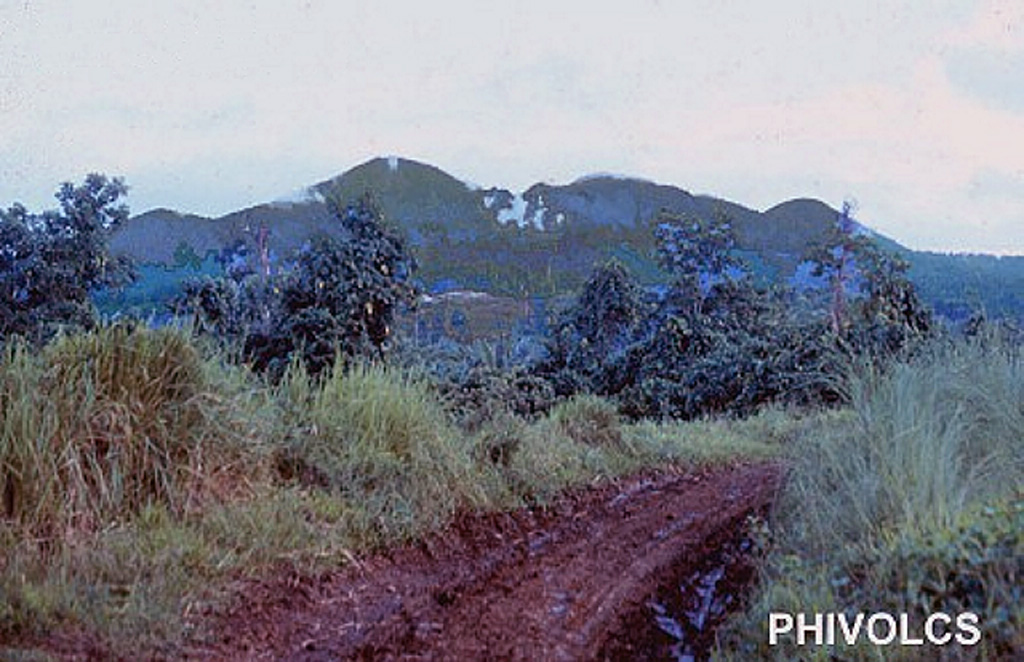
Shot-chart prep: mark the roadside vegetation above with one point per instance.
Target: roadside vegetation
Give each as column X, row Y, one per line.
column 158, row 473
column 911, row 501
column 283, row 421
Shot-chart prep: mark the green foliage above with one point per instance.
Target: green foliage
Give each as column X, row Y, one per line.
column 380, row 438
column 592, row 339
column 887, row 316
column 743, row 348
column 973, row 565
column 225, row 308
column 481, row 393
column 610, row 307
column 587, row 419
column 340, row 294
column 102, row 424
column 51, row 262
column 717, row 342
column 713, row 343
column 696, row 251
column 480, row 381
column 908, row 502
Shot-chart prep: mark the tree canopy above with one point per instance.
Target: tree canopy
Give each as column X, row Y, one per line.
column 50, row 262
column 340, row 294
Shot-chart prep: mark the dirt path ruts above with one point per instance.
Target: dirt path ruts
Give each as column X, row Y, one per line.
column 549, row 584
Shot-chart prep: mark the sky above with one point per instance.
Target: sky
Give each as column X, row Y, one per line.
column 912, row 110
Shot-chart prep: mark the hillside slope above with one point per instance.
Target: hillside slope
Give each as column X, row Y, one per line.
column 543, row 241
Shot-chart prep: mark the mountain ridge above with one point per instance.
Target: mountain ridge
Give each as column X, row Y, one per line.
column 542, row 241
column 427, row 203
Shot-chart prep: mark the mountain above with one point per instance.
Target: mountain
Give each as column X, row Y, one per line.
column 542, row 242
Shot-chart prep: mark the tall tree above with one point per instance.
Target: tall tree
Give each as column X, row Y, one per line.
column 870, row 290
column 835, row 259
column 698, row 252
column 51, row 262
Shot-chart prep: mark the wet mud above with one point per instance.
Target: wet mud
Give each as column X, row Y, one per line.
column 582, row 579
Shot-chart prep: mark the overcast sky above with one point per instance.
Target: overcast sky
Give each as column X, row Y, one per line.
column 915, row 110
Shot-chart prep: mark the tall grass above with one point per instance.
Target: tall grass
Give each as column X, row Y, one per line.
column 883, row 507
column 926, row 439
column 379, row 437
column 102, row 424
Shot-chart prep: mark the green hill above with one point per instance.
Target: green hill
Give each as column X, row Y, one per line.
column 541, row 242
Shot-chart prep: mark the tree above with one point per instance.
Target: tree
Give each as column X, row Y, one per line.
column 697, row 252
column 609, row 308
column 592, row 338
column 51, row 262
column 834, row 259
column 873, row 303
column 340, row 294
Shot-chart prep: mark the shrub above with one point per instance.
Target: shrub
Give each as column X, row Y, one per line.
column 483, row 393
column 588, row 419
column 104, row 423
column 383, row 440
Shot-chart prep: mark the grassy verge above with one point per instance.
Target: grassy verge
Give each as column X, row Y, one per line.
column 139, row 476
column 911, row 502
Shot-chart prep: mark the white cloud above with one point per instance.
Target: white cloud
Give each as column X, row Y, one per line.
column 997, row 24
column 210, row 107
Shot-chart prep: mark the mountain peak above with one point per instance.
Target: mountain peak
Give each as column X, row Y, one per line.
column 601, row 176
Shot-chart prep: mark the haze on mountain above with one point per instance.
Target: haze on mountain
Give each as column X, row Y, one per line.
column 914, row 110
column 543, row 241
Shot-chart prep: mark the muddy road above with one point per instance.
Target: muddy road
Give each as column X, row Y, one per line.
column 567, row 582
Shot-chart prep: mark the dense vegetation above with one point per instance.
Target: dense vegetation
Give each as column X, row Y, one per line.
column 339, row 295
column 910, row 501
column 50, row 262
column 295, row 415
column 714, row 341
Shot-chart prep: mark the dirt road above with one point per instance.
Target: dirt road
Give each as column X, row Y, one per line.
column 561, row 583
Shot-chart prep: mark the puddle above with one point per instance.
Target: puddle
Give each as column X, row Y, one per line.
column 701, row 603
column 680, row 619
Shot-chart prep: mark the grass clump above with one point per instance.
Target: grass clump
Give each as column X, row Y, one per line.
column 906, row 505
column 102, row 424
column 589, row 419
column 380, row 438
column 98, row 431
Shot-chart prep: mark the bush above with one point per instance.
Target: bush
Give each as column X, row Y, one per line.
column 911, row 501
column 105, row 423
column 587, row 419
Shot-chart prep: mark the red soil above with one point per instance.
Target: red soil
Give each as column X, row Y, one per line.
column 561, row 583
